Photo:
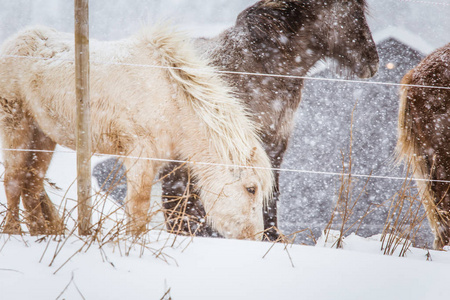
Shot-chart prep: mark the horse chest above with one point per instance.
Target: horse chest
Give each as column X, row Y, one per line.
column 272, row 104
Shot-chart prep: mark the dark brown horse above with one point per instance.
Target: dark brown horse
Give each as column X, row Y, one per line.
column 276, row 37
column 424, row 137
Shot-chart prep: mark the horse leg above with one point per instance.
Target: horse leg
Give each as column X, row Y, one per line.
column 15, row 164
column 438, row 211
column 38, row 163
column 270, row 210
column 183, row 210
column 17, row 128
column 140, row 175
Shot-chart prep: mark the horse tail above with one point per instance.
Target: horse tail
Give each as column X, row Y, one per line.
column 410, row 151
column 230, row 129
column 406, row 147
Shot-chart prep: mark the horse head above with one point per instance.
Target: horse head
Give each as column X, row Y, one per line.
column 310, row 30
column 347, row 37
column 233, row 197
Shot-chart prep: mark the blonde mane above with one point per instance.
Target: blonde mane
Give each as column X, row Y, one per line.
column 210, row 98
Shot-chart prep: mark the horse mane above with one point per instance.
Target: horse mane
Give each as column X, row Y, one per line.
column 282, row 19
column 275, row 19
column 232, row 132
column 406, row 142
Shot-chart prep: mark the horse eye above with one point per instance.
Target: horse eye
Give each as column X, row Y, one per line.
column 251, row 190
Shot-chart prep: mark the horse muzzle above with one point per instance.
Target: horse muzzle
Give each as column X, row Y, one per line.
column 368, row 71
column 244, row 231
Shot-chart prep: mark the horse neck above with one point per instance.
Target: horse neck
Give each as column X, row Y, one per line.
column 272, row 101
column 232, row 50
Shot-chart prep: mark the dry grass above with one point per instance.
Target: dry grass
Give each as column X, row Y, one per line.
column 178, row 220
column 348, row 198
column 287, row 240
column 109, row 225
column 71, row 282
column 166, row 295
column 404, row 219
column 345, row 205
column 108, row 228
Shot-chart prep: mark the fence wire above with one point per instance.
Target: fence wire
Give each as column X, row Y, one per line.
column 325, row 173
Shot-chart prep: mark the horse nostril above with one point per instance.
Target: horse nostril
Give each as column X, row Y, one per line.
column 374, row 69
column 368, row 71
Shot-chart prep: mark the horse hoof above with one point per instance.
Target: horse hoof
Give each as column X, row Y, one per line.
column 55, row 229
column 271, row 235
column 136, row 231
column 12, row 228
column 36, row 228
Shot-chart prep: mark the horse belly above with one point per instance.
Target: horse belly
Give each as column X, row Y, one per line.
column 56, row 124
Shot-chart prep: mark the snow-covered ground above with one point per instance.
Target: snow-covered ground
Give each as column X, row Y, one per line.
column 207, row 268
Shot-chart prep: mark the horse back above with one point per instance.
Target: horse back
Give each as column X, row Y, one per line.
column 31, row 41
column 37, row 72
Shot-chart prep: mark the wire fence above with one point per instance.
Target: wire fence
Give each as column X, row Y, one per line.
column 286, row 76
column 325, row 173
column 235, row 72
column 300, row 171
column 426, row 2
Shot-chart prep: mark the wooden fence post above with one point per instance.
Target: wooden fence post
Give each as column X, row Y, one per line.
column 83, row 116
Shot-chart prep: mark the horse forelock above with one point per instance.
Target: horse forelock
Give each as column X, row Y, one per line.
column 266, row 178
column 275, row 18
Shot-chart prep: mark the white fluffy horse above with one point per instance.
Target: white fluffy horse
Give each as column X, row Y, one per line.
column 138, row 111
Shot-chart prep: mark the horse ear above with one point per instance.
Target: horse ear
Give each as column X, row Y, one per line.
column 273, row 3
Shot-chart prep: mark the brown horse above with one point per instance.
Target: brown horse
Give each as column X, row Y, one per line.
column 277, row 37
column 424, row 137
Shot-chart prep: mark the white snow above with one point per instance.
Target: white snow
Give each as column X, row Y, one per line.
column 207, row 268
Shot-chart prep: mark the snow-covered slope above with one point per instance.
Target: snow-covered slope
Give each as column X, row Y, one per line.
column 205, row 268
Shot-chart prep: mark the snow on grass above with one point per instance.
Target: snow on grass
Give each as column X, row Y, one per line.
column 207, row 268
